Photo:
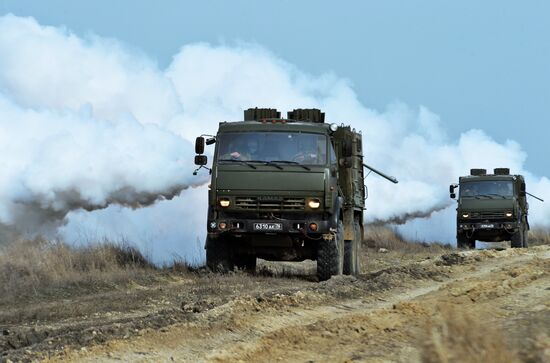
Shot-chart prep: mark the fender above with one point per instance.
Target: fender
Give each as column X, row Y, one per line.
column 337, row 207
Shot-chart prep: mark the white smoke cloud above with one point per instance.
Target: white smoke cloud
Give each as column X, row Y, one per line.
column 86, row 123
column 77, row 130
column 54, row 162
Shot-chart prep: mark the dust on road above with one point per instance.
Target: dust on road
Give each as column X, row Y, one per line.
column 477, row 306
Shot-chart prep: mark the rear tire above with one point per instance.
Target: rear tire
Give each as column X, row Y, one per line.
column 330, row 255
column 519, row 239
column 351, row 252
column 219, row 256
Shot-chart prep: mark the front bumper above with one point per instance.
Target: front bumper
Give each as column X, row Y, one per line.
column 510, row 226
column 234, row 226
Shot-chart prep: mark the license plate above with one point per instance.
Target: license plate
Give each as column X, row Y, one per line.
column 486, row 226
column 268, row 227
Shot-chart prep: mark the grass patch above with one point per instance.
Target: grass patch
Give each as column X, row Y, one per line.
column 38, row 268
column 539, row 236
column 385, row 237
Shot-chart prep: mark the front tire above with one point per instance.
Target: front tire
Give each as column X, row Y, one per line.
column 465, row 243
column 330, row 255
column 246, row 262
column 519, row 239
column 219, row 256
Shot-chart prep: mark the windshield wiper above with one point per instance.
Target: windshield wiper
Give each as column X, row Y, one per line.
column 291, row 162
column 484, row 195
column 265, row 163
column 273, row 164
column 240, row 161
column 498, row 195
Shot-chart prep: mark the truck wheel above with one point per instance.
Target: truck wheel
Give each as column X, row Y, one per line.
column 359, row 239
column 351, row 252
column 219, row 257
column 516, row 241
column 246, row 262
column 330, row 255
column 465, row 243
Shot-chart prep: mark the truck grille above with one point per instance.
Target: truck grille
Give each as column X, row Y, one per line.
column 488, row 215
column 276, row 204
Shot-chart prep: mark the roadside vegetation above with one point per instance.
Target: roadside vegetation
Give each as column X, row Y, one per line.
column 538, row 236
column 384, row 237
column 39, row 268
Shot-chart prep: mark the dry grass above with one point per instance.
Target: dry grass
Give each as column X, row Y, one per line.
column 382, row 236
column 454, row 335
column 39, row 267
column 539, row 237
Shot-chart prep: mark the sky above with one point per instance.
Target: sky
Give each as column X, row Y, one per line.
column 482, row 65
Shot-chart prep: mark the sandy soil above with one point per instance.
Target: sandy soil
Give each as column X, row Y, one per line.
column 471, row 306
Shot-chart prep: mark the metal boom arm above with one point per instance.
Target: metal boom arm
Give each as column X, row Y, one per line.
column 390, row 178
column 534, row 196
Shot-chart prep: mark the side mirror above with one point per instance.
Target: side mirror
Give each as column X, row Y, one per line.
column 210, row 141
column 201, row 160
column 452, row 188
column 347, row 148
column 199, row 146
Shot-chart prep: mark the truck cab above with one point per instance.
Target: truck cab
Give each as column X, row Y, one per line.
column 285, row 189
column 491, row 208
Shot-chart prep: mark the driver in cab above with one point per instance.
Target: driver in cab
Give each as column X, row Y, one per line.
column 248, row 150
column 308, row 153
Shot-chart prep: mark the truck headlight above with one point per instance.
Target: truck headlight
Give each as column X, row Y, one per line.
column 509, row 214
column 465, row 215
column 314, row 203
column 224, row 202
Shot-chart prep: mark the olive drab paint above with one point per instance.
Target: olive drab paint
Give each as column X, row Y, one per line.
column 491, row 208
column 286, row 189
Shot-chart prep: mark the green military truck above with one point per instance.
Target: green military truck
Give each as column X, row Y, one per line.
column 285, row 189
column 491, row 208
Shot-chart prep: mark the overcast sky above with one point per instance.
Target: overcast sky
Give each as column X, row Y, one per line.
column 476, row 64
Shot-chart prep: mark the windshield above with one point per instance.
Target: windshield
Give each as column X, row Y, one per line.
column 487, row 188
column 290, row 147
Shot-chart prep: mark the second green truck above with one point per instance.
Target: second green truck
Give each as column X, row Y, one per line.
column 491, row 208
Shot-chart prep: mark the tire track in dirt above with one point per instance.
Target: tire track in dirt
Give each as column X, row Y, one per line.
column 384, row 326
column 328, row 334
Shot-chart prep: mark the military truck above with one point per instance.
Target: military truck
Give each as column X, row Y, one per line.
column 491, row 208
column 285, row 189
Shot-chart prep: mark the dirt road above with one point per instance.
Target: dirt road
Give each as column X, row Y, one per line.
column 484, row 306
